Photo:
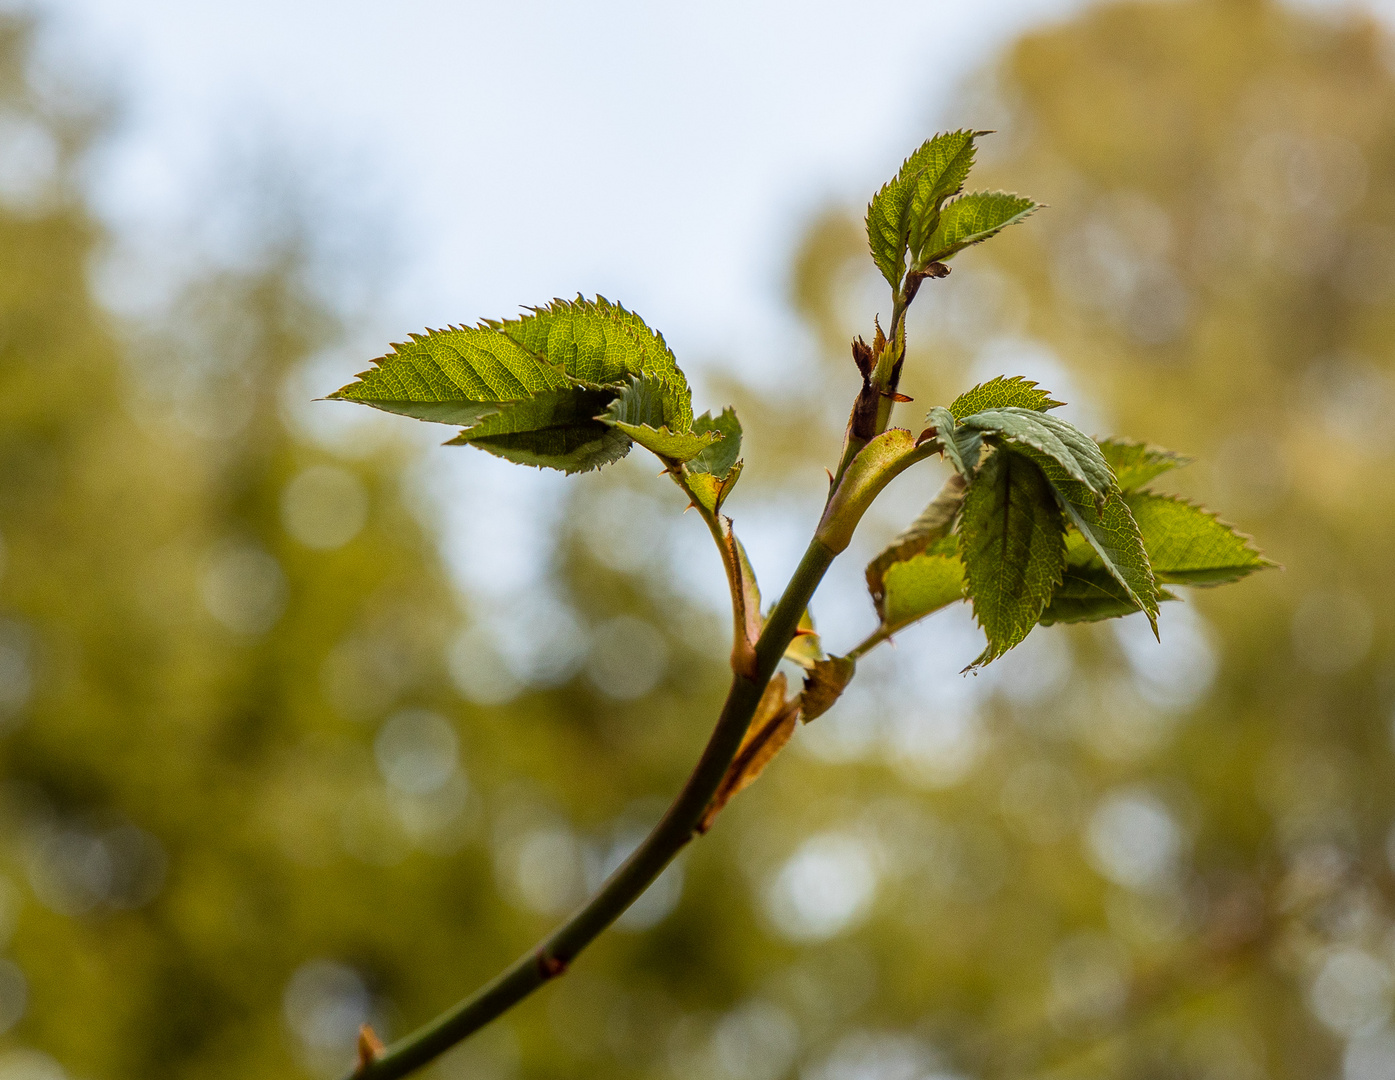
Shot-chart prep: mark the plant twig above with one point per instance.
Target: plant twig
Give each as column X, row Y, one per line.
column 551, row 957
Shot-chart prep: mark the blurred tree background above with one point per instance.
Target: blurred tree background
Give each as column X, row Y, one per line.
column 264, row 776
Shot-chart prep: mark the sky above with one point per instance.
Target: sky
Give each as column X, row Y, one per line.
column 479, row 157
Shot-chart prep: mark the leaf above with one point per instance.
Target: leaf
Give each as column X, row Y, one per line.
column 1188, row 545
column 933, row 524
column 745, row 600
column 922, row 585
column 972, row 219
column 1110, row 529
column 454, row 376
column 875, row 466
column 1001, row 393
column 805, row 648
column 910, row 202
column 1090, row 593
column 824, row 685
column 642, row 411
column 601, row 344
column 1050, row 436
column 1012, row 542
column 708, row 491
column 710, row 476
column 554, row 429
column 963, row 455
column 770, row 728
column 1136, row 463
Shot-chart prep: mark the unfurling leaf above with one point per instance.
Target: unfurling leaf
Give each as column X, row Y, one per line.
column 1136, row 463
column 1012, row 542
column 1001, row 393
column 745, row 600
column 972, row 219
column 906, row 211
column 933, row 524
column 922, row 585
column 645, row 411
column 769, row 730
column 1188, row 545
column 1070, row 448
column 805, row 648
column 710, row 476
column 824, row 684
column 875, row 466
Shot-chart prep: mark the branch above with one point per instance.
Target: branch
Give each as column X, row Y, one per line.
column 679, row 825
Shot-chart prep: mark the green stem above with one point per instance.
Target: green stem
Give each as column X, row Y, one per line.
column 868, row 644
column 678, row 826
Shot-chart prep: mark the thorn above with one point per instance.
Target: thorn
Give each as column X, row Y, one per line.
column 895, row 396
column 830, row 475
column 370, row 1047
column 929, row 433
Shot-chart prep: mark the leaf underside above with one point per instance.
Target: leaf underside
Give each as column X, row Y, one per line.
column 922, row 585
column 1012, row 542
column 1136, row 463
column 933, row 524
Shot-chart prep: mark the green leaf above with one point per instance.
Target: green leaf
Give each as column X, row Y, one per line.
column 1136, row 463
column 1012, row 542
column 1001, row 393
column 709, row 477
column 906, row 211
column 454, row 376
column 1050, row 436
column 933, row 524
column 972, row 219
column 1188, row 545
column 641, row 411
column 721, row 457
column 1089, row 593
column 1109, row 528
column 556, row 429
column 602, row 344
column 572, row 449
column 824, row 684
column 922, row 585
column 960, row 446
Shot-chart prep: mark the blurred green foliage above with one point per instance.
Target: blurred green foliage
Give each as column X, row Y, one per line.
column 258, row 786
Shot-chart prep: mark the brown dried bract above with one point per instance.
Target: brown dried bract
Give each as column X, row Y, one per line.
column 770, row 729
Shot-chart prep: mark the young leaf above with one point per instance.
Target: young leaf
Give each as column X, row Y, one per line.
column 1136, row 463
column 554, row 429
column 1012, row 542
column 1001, row 393
column 643, row 412
column 1050, row 436
column 711, row 475
column 908, row 205
column 875, row 466
column 1188, row 545
column 960, row 445
column 601, row 344
column 1110, row 529
column 770, row 728
column 454, row 376
column 824, row 685
column 922, row 585
column 933, row 524
column 972, row 219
